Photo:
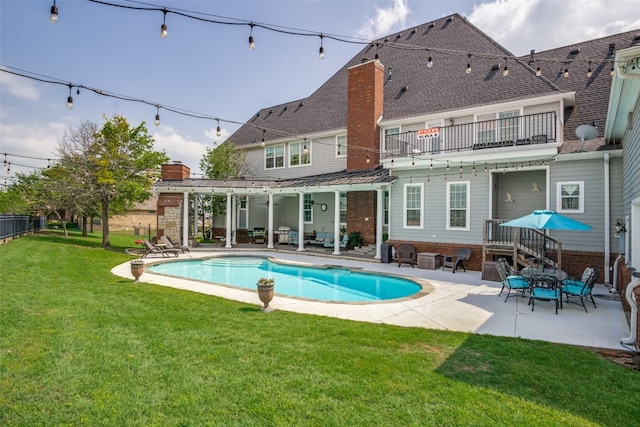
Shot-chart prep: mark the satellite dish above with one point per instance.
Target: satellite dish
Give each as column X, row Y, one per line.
column 585, row 133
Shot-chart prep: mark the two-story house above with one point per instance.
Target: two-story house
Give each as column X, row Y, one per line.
column 432, row 136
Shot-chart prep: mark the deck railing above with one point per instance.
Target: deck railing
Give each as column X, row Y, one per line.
column 511, row 131
column 523, row 245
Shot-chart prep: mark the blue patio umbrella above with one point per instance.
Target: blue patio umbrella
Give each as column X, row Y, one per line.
column 546, row 220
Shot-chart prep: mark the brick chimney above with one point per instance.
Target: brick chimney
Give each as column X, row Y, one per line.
column 175, row 171
column 365, row 100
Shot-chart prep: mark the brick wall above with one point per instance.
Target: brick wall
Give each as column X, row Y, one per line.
column 175, row 171
column 365, row 98
column 361, row 209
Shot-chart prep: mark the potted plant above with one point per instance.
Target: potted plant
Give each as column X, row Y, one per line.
column 355, row 239
column 137, row 267
column 265, row 291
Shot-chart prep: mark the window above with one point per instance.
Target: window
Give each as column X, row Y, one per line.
column 385, row 202
column 274, row 157
column 392, row 141
column 458, row 205
column 341, row 146
column 243, row 219
column 570, row 196
column 299, row 153
column 343, row 208
column 308, row 209
column 413, row 201
column 503, row 126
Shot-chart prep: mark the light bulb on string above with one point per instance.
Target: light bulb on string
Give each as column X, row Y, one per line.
column 589, row 72
column 70, row 98
column 538, row 70
column 468, row 70
column 565, row 73
column 53, row 18
column 321, row 50
column 505, row 71
column 157, row 121
column 252, row 45
column 218, row 130
column 430, row 62
column 163, row 27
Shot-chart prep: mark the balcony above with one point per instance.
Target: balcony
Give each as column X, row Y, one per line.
column 503, row 132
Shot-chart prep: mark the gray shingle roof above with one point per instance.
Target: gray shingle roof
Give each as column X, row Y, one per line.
column 443, row 87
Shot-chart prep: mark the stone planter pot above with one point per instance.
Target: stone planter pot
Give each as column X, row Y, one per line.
column 265, row 293
column 137, row 268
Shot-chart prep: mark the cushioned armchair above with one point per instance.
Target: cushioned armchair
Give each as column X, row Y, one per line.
column 510, row 279
column 581, row 288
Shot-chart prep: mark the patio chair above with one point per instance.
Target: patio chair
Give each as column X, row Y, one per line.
column 406, row 255
column 545, row 288
column 259, row 235
column 167, row 240
column 581, row 288
column 510, row 279
column 153, row 249
column 343, row 242
column 457, row 260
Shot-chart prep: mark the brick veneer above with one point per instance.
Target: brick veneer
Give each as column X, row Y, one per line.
column 175, row 171
column 361, row 208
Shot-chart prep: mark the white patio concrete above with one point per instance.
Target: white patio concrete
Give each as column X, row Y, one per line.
column 457, row 302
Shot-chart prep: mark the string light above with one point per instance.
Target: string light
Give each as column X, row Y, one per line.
column 505, row 72
column 468, row 71
column 70, row 98
column 538, row 70
column 218, row 130
column 429, row 61
column 321, row 50
column 565, row 73
column 53, row 18
column 368, row 159
column 589, row 72
column 252, row 45
column 157, row 121
column 163, row 27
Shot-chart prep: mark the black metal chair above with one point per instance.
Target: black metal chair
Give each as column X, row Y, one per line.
column 581, row 288
column 510, row 279
column 545, row 288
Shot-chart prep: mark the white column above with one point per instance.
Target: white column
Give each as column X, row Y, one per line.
column 195, row 215
column 336, row 223
column 270, row 223
column 379, row 223
column 234, row 219
column 228, row 222
column 185, row 219
column 300, row 222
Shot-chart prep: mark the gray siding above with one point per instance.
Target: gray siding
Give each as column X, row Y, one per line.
column 631, row 165
column 323, row 160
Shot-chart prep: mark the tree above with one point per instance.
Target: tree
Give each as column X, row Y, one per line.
column 221, row 162
column 116, row 166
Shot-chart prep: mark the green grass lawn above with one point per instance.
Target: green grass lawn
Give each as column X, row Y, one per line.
column 80, row 346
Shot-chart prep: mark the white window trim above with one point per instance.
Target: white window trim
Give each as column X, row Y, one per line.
column 302, row 144
column 559, row 185
column 383, row 136
column 284, row 157
column 404, row 206
column 310, row 209
column 468, row 208
column 338, row 155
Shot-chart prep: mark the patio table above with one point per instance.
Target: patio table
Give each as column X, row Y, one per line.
column 527, row 272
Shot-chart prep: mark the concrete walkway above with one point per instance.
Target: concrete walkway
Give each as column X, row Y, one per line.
column 457, row 302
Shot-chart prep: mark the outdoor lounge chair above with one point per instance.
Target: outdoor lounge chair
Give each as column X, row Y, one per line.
column 154, row 249
column 581, row 288
column 406, row 254
column 343, row 242
column 457, row 260
column 510, row 279
column 167, row 240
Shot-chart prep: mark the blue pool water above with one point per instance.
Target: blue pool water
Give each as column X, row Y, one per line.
column 319, row 283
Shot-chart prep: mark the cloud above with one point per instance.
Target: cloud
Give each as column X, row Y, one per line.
column 387, row 20
column 19, row 86
column 522, row 25
column 178, row 148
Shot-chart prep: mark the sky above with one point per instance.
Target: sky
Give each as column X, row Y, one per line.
column 208, row 69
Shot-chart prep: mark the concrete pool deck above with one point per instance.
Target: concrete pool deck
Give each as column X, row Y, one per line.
column 458, row 302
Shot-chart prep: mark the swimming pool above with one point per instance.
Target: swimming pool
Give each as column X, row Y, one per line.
column 332, row 283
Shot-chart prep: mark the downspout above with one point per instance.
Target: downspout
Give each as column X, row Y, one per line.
column 631, row 339
column 607, row 219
